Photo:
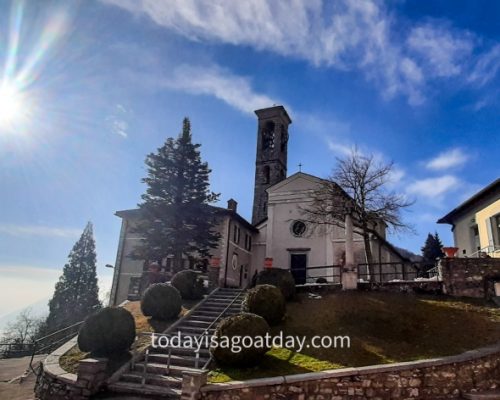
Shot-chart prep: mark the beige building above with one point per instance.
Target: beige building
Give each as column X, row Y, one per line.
column 278, row 231
column 476, row 223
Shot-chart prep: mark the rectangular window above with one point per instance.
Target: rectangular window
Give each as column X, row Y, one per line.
column 236, row 234
column 248, row 242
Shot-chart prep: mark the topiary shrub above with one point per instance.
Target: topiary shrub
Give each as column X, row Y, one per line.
column 281, row 278
column 232, row 330
column 266, row 301
column 321, row 280
column 161, row 301
column 108, row 332
column 189, row 284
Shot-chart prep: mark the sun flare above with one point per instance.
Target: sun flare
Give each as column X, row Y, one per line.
column 11, row 105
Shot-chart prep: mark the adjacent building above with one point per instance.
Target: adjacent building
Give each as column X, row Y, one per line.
column 476, row 223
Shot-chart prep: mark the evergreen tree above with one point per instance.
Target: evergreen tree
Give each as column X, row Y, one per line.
column 177, row 218
column 432, row 249
column 76, row 293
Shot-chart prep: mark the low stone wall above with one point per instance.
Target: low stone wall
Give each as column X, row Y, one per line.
column 443, row 378
column 54, row 383
column 420, row 286
column 470, row 277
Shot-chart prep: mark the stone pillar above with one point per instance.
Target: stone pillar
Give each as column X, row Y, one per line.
column 91, row 375
column 349, row 271
column 192, row 381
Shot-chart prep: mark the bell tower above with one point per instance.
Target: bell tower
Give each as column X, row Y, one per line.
column 271, row 160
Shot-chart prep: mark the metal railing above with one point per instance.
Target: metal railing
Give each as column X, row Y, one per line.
column 492, row 250
column 52, row 341
column 387, row 272
column 197, row 339
column 15, row 349
column 317, row 275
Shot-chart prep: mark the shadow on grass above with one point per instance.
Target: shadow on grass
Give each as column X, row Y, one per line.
column 383, row 328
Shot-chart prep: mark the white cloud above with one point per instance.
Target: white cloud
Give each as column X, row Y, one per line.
column 448, row 159
column 345, row 35
column 215, row 81
column 363, row 36
column 486, row 67
column 117, row 121
column 339, row 148
column 36, row 230
column 442, row 50
column 434, row 188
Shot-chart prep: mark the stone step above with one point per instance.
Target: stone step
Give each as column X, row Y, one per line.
column 194, row 329
column 145, row 390
column 490, row 395
column 219, row 309
column 221, row 304
column 188, row 361
column 197, row 322
column 162, row 369
column 180, row 351
column 153, row 379
column 200, row 318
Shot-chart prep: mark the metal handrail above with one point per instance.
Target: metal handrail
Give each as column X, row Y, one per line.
column 490, row 249
column 205, row 332
column 214, row 321
column 39, row 350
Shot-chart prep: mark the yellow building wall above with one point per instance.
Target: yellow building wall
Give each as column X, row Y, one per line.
column 482, row 219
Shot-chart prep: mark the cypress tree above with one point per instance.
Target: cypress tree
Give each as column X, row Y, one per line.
column 76, row 293
column 177, row 219
column 432, row 250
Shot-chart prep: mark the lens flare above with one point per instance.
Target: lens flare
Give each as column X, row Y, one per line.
column 12, row 108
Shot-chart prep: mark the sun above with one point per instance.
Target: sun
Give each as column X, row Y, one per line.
column 11, row 105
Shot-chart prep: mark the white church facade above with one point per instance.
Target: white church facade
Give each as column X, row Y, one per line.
column 278, row 233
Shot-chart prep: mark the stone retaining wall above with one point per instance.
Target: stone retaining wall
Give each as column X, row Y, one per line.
column 470, row 277
column 420, row 287
column 54, row 383
column 443, row 378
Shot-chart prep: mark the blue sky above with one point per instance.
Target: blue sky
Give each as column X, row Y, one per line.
column 96, row 85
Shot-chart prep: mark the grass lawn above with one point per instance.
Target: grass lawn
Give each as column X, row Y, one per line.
column 383, row 328
column 69, row 361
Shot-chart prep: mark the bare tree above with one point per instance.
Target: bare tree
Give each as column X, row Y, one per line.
column 358, row 186
column 24, row 329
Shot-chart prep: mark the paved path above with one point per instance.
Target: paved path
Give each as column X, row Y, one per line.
column 11, row 368
column 18, row 391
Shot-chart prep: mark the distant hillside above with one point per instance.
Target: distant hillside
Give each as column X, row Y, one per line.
column 409, row 254
column 38, row 309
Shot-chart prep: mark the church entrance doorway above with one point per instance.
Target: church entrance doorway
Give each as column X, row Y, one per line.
column 298, row 265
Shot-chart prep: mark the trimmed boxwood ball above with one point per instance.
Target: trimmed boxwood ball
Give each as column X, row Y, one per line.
column 161, row 301
column 239, row 326
column 281, row 278
column 321, row 280
column 266, row 301
column 189, row 284
column 108, row 332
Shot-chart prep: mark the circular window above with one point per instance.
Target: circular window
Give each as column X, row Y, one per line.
column 234, row 261
column 298, row 228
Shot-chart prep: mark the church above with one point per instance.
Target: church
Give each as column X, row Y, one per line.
column 278, row 234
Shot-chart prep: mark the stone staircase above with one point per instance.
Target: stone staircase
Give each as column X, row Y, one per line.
column 158, row 374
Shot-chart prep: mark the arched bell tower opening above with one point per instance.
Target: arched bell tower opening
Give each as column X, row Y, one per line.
column 271, row 160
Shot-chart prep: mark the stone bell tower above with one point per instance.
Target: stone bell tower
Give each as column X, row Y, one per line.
column 271, row 160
